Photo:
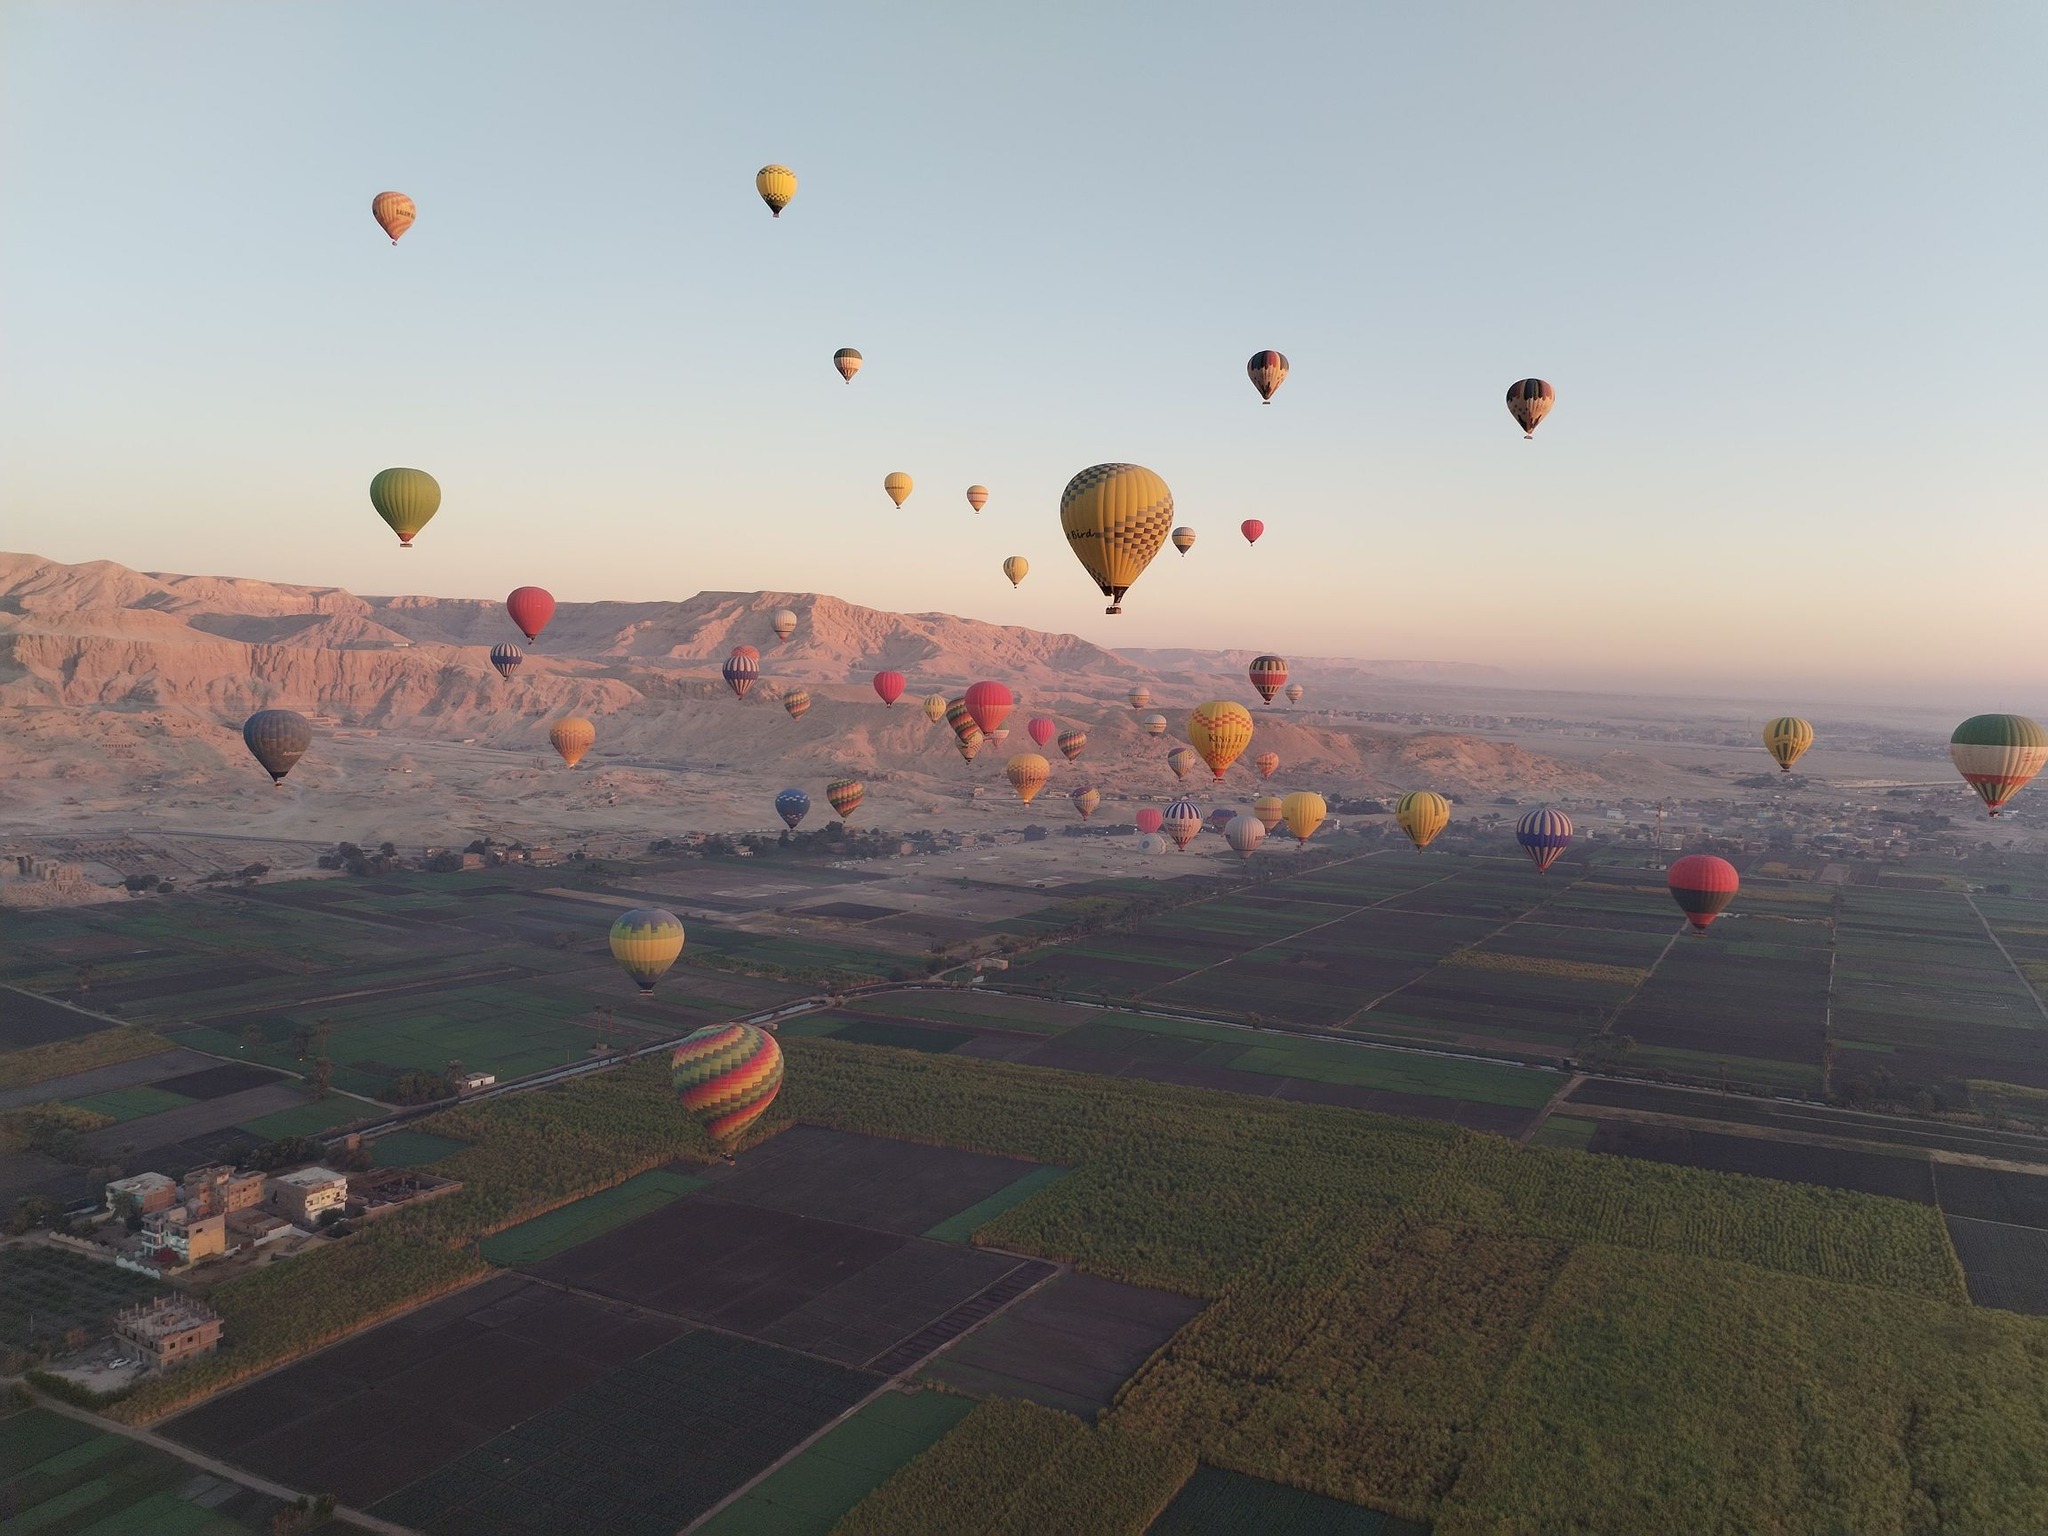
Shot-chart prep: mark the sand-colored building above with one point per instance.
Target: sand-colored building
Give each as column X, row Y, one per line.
column 221, row 1191
column 190, row 1233
column 304, row 1195
column 169, row 1330
column 149, row 1191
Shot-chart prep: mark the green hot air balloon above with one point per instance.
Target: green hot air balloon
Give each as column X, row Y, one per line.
column 277, row 738
column 407, row 499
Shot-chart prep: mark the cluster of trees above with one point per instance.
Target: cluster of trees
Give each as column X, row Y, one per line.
column 358, row 861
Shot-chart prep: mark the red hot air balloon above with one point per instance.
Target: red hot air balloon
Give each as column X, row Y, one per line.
column 531, row 608
column 1149, row 819
column 1703, row 885
column 1251, row 528
column 1042, row 730
column 741, row 668
column 890, row 686
column 1269, row 676
column 990, row 704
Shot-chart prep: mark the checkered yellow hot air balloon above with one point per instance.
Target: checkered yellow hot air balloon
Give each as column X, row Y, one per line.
column 777, row 185
column 1220, row 730
column 1115, row 517
column 1027, row 773
column 1422, row 813
column 1786, row 739
column 645, row 942
column 727, row 1076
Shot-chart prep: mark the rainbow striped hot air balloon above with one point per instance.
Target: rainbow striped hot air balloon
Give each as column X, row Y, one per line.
column 798, row 703
column 1183, row 819
column 1786, row 739
column 645, row 942
column 1544, row 834
column 1073, row 743
column 741, row 669
column 506, row 657
column 1422, row 813
column 1220, row 730
column 1702, row 885
column 1269, row 675
column 1085, row 799
column 727, row 1076
column 1998, row 755
column 845, row 796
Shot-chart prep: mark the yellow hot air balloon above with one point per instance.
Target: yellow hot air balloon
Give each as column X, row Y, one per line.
column 1027, row 773
column 1422, row 813
column 572, row 738
column 935, row 707
column 977, row 496
column 777, row 185
column 1115, row 517
column 1303, row 811
column 1786, row 739
column 645, row 942
column 1016, row 568
column 394, row 213
column 1220, row 730
column 1268, row 809
column 898, row 487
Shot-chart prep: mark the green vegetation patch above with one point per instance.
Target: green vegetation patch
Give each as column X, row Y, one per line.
column 1403, row 1072
column 809, row 1495
column 310, row 1118
column 1566, row 1131
column 61, row 1476
column 959, row 1228
column 55, row 1291
column 131, row 1103
column 592, row 1216
column 61, row 1058
column 1219, row 1503
column 413, row 1149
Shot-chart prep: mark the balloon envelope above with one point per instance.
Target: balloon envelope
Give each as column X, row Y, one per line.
column 1115, row 517
column 1041, row 729
column 1702, row 885
column 1251, row 528
column 727, row 1076
column 1183, row 819
column 572, row 738
column 1303, row 811
column 1268, row 675
column 783, row 622
column 1220, row 730
column 1182, row 761
column 1268, row 808
column 792, row 805
column 1073, row 744
column 889, row 688
column 990, row 704
column 531, row 608
column 406, row 499
column 1544, row 834
column 1268, row 764
column 394, row 213
column 1139, row 696
column 506, row 657
column 1016, row 568
column 1183, row 539
column 1027, row 773
column 777, row 185
column 1786, row 739
column 1153, row 725
column 1529, row 401
column 645, row 942
column 847, row 361
column 277, row 739
column 898, row 487
column 1268, row 371
column 1422, row 813
column 977, row 496
column 1244, row 833
column 1998, row 755
column 1085, row 800
column 1149, row 818
column 798, row 703
column 845, row 796
column 934, row 704
column 1294, row 693
column 741, row 669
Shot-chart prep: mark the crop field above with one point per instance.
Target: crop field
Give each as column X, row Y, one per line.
column 1902, row 1176
column 58, row 1291
column 579, row 1221
column 2006, row 1266
column 26, row 1020
column 132, row 1103
column 1218, row 1503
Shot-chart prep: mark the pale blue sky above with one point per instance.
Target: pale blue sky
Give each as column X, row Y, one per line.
column 1784, row 264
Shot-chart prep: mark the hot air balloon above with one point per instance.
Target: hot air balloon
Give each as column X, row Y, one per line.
column 1151, row 842
column 1529, row 401
column 934, row 704
column 783, row 622
column 990, row 704
column 407, row 500
column 889, row 688
column 645, row 942
column 1220, row 818
column 1116, row 516
column 792, row 805
column 726, row 1076
column 1183, row 819
column 1268, row 372
column 1140, row 696
column 1041, row 729
column 1183, row 539
column 1998, row 755
column 999, row 735
column 847, row 361
column 1245, row 833
column 1269, row 810
column 506, row 658
column 1269, row 675
column 1251, row 528
column 1703, row 885
column 1544, row 834
column 777, row 185
column 897, row 484
column 969, row 740
column 1085, row 799
column 977, row 496
column 1073, row 743
column 1294, row 692
column 845, row 796
column 1149, row 818
column 1268, row 764
column 741, row 668
column 1016, row 568
column 961, row 719
column 1786, row 739
column 1303, row 811
column 572, row 738
column 1220, row 730
column 1153, row 725
column 1182, row 761
column 1027, row 773
column 1422, row 813
column 530, row 608
column 394, row 213
column 277, row 738
column 798, row 703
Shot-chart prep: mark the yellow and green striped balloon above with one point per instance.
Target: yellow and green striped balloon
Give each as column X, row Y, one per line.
column 1998, row 755
column 1422, row 813
column 726, row 1076
column 1786, row 739
column 645, row 942
column 407, row 499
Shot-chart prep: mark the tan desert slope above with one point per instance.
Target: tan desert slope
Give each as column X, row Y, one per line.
column 122, row 695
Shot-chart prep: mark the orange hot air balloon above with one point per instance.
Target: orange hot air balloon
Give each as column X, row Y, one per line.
column 977, row 496
column 1268, row 764
column 1268, row 371
column 1073, row 743
column 889, row 688
column 1269, row 676
column 1182, row 761
column 990, row 704
column 572, row 738
column 897, row 484
column 1027, row 773
column 394, row 213
column 934, row 707
column 1270, row 809
column 845, row 796
column 1085, row 799
column 1220, row 730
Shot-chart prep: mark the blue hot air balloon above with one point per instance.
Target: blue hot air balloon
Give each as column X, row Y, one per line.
column 792, row 805
column 1544, row 834
column 506, row 659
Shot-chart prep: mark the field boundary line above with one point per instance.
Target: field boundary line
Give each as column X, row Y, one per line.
column 107, row 1020
column 2018, row 975
column 1637, row 990
column 1550, row 1106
